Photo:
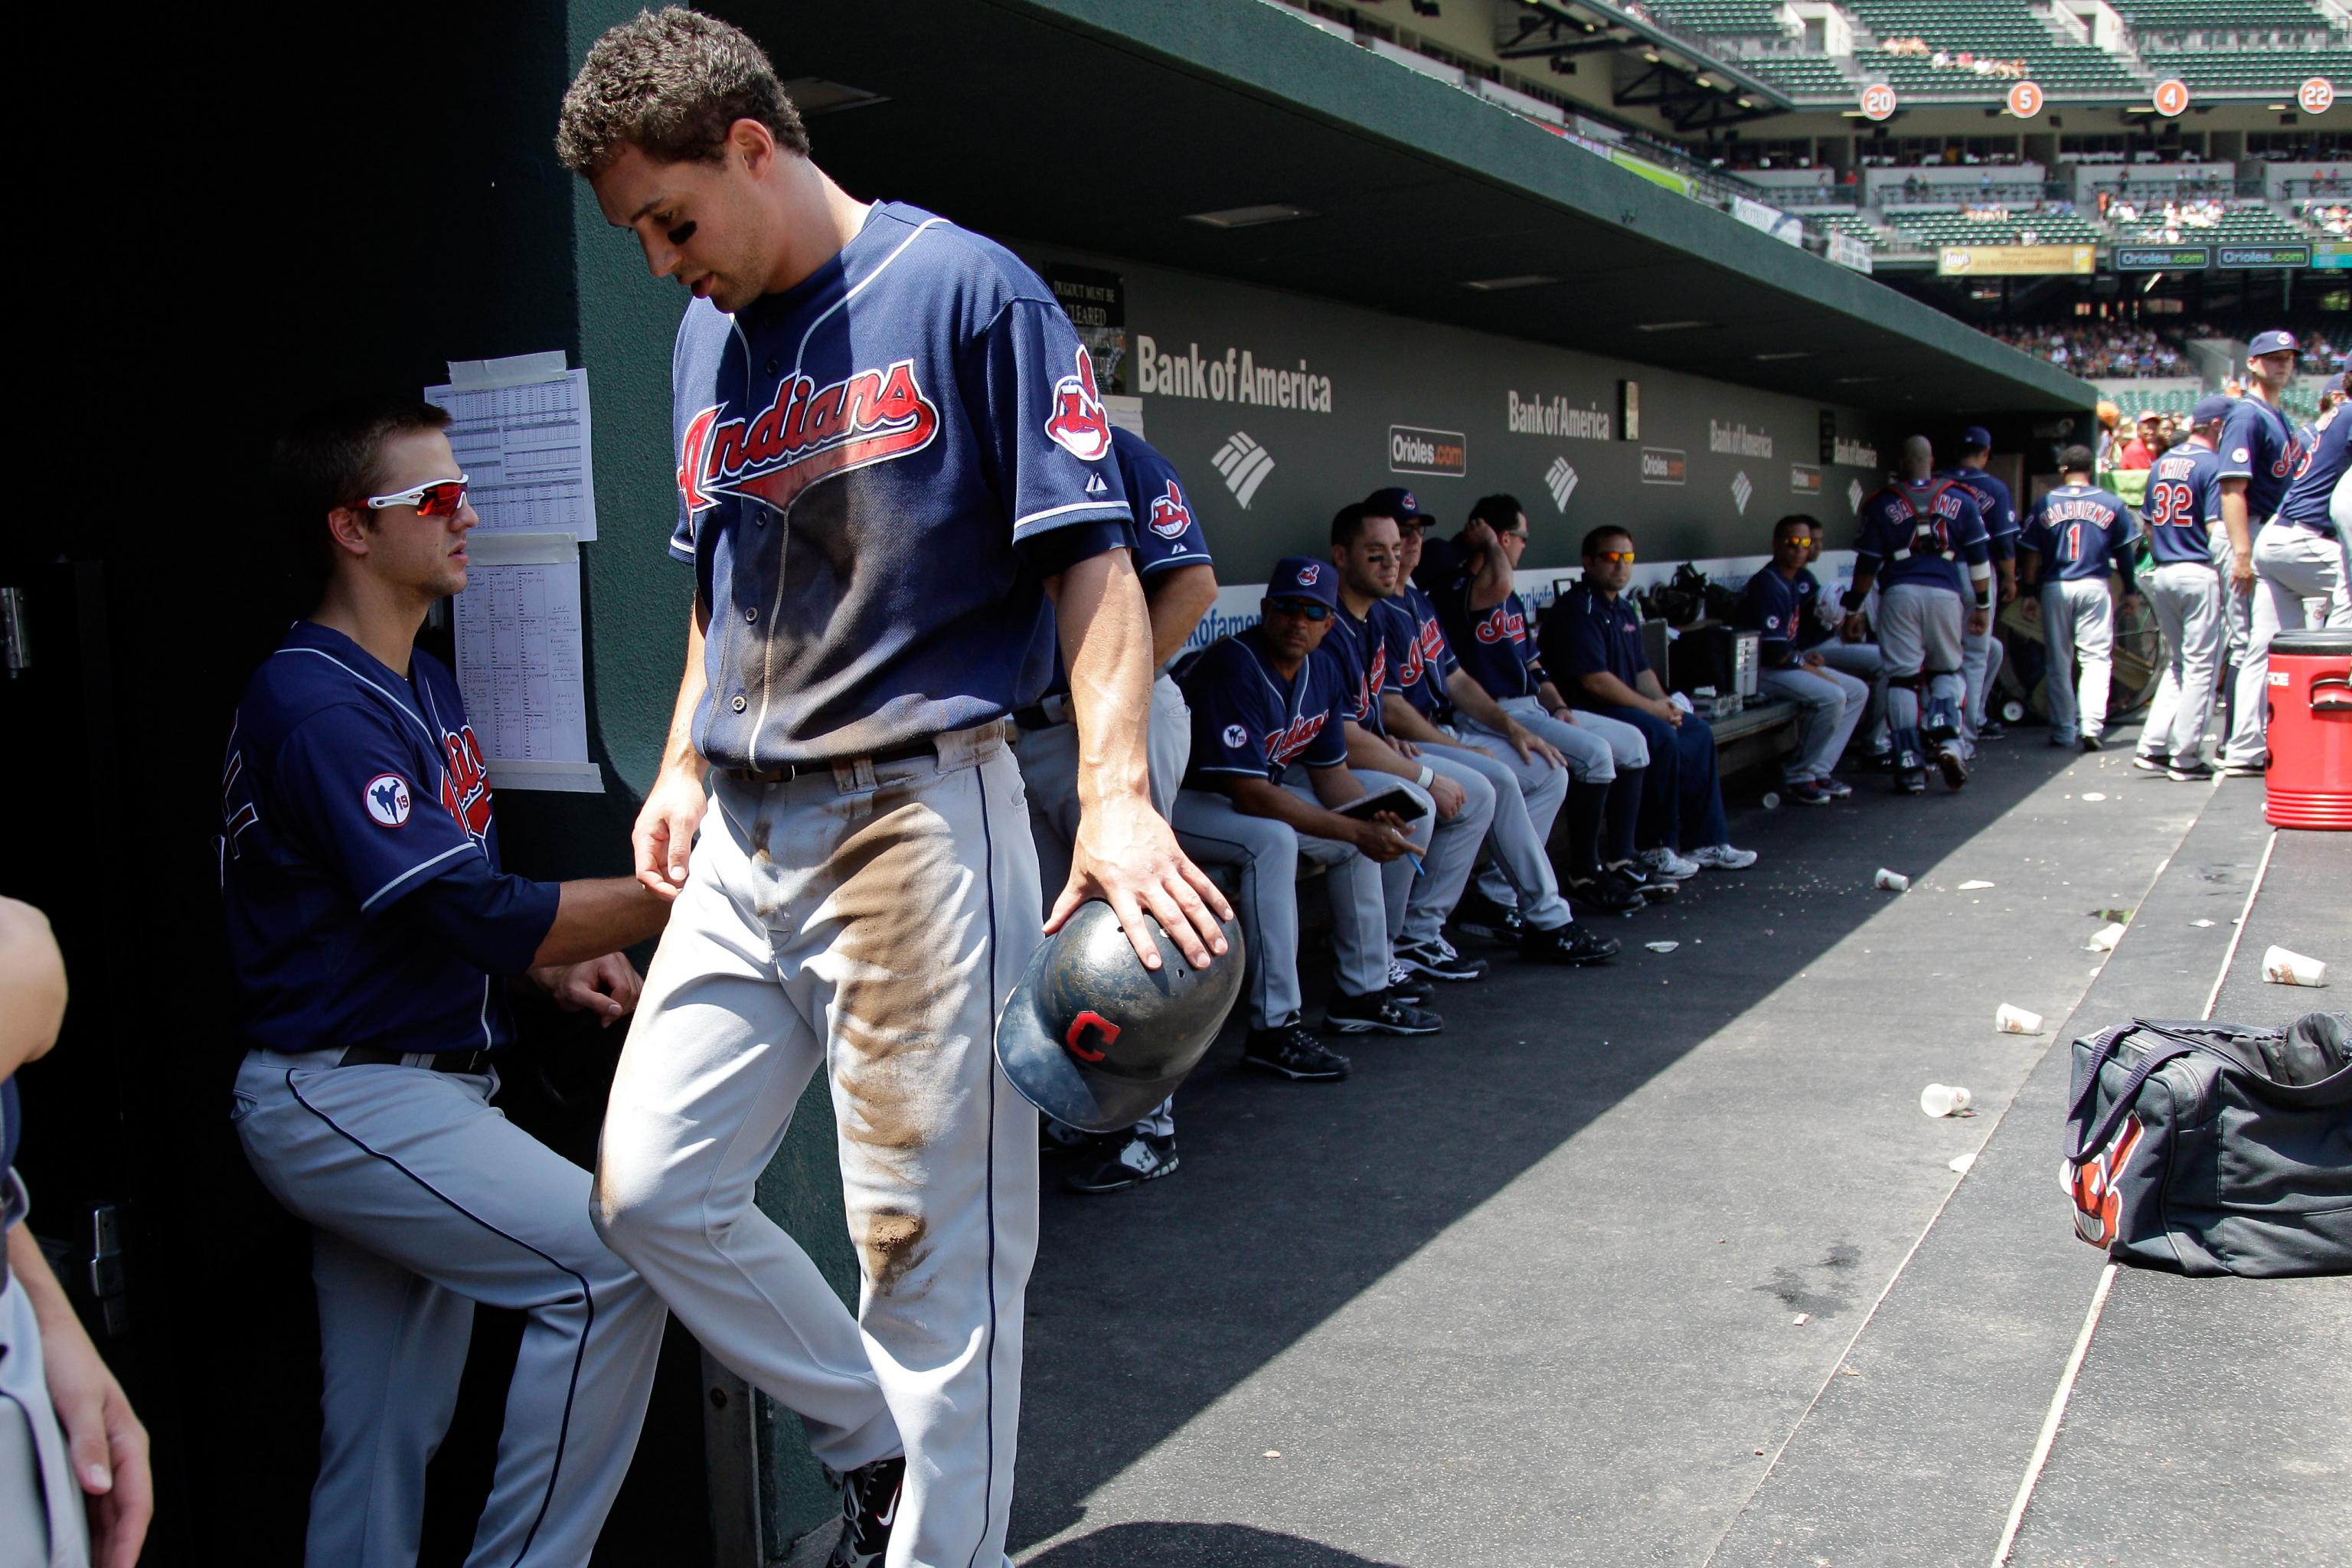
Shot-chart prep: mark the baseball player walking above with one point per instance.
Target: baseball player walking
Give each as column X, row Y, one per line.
column 1981, row 653
column 372, row 933
column 1918, row 536
column 2259, row 459
column 891, row 452
column 2184, row 590
column 2076, row 536
column 1179, row 584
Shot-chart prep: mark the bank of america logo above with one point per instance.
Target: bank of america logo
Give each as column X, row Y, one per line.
column 1741, row 490
column 1853, row 495
column 1244, row 464
column 1560, row 480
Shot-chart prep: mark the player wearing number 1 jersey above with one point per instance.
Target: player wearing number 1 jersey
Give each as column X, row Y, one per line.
column 2076, row 536
column 2182, row 508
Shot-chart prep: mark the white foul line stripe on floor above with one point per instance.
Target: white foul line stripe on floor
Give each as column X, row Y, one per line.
column 2049, row 1422
column 2213, row 998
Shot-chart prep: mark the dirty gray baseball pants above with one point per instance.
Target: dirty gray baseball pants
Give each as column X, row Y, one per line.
column 869, row 921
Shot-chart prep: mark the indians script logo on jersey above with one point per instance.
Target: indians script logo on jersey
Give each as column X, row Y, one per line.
column 1169, row 516
column 466, row 785
column 1284, row 745
column 386, row 799
column 1426, row 651
column 1503, row 624
column 806, row 435
column 2098, row 1207
column 1079, row 425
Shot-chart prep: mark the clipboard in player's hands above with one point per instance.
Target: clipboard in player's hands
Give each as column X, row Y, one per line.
column 1395, row 798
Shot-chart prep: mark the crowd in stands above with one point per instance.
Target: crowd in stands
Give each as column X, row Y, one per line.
column 2173, row 220
column 2103, row 350
column 2329, row 217
column 1958, row 60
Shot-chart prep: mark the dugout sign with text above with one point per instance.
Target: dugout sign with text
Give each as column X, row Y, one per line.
column 2017, row 260
column 2163, row 257
column 1278, row 409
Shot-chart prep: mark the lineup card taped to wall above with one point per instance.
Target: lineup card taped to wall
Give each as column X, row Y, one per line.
column 520, row 661
column 520, row 429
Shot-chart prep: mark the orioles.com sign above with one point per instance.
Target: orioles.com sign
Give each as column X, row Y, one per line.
column 1413, row 450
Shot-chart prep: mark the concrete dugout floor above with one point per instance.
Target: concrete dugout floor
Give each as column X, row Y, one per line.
column 1528, row 1292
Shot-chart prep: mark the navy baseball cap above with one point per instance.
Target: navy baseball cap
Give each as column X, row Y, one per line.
column 2211, row 408
column 1304, row 577
column 1398, row 502
column 1975, row 438
column 2270, row 343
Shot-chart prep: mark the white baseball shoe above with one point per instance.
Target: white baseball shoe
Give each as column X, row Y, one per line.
column 1723, row 858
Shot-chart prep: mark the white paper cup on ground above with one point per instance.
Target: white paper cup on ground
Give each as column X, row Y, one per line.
column 1945, row 1100
column 2011, row 1020
column 2281, row 967
column 2104, row 940
column 1893, row 881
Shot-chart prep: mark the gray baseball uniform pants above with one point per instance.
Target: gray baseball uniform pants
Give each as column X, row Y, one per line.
column 871, row 921
column 1595, row 746
column 422, row 1199
column 2291, row 565
column 1831, row 704
column 2078, row 621
column 1863, row 661
column 1921, row 629
column 1265, row 856
column 1528, row 797
column 1980, row 659
column 2186, row 597
column 1421, row 902
column 42, row 1524
column 1049, row 776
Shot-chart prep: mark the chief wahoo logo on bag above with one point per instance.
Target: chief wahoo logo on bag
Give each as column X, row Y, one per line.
column 1079, row 424
column 2098, row 1207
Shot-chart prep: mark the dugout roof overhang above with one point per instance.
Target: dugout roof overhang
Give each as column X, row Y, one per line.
column 1099, row 124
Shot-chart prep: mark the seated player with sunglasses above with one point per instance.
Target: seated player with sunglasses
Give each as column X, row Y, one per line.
column 371, row 933
column 1593, row 636
column 1262, row 702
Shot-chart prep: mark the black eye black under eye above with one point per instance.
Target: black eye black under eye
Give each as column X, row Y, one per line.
column 682, row 233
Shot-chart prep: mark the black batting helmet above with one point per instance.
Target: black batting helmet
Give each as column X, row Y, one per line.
column 1093, row 1038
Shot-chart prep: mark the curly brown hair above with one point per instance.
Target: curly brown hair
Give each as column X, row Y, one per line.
column 670, row 83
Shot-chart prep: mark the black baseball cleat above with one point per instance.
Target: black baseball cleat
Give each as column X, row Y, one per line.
column 2193, row 770
column 1603, row 893
column 2092, row 743
column 1376, row 1014
column 1879, row 761
column 2151, row 762
column 1570, row 944
column 1127, row 1160
column 1293, row 1053
column 869, row 1507
column 1911, row 781
column 1405, row 987
column 1436, row 960
column 1653, row 888
column 1478, row 915
column 1953, row 766
column 1992, row 729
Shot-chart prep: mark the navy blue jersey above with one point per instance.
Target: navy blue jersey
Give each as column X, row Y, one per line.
column 1995, row 504
column 1592, row 633
column 2080, row 532
column 1495, row 644
column 1921, row 533
column 1773, row 604
column 1250, row 722
column 2258, row 446
column 2307, row 498
column 1360, row 648
column 1420, row 659
column 359, row 858
column 1811, row 632
column 2184, row 494
column 1167, row 533
column 876, row 469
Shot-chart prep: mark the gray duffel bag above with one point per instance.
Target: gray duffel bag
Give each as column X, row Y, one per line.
column 2209, row 1148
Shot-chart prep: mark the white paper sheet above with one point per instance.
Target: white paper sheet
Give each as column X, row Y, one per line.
column 520, row 429
column 521, row 662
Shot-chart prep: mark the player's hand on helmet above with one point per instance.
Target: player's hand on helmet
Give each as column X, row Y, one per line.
column 1127, row 856
column 663, row 836
column 1978, row 621
column 1448, row 796
column 1381, row 839
column 607, row 986
column 107, row 1445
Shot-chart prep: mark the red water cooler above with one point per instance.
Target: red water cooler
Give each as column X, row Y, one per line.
column 2310, row 778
